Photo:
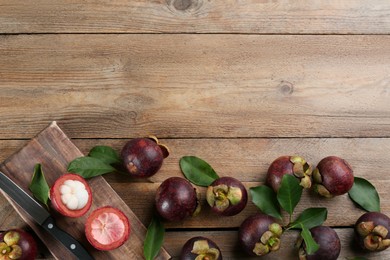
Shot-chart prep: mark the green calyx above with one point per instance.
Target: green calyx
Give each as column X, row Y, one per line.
column 221, row 196
column 204, row 252
column 9, row 249
column 374, row 236
column 269, row 241
column 302, row 170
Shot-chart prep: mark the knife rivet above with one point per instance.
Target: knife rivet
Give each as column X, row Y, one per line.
column 50, row 226
column 72, row 246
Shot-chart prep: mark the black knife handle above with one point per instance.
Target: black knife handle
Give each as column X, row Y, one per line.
column 67, row 240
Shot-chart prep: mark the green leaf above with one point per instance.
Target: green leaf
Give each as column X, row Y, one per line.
column 289, row 193
column 89, row 167
column 265, row 199
column 311, row 245
column 310, row 218
column 106, row 154
column 197, row 171
column 38, row 186
column 154, row 238
column 365, row 195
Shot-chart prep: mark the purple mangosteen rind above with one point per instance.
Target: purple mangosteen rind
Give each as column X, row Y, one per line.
column 227, row 196
column 200, row 248
column 328, row 241
column 260, row 234
column 333, row 176
column 143, row 157
column 176, row 199
column 293, row 165
column 17, row 244
column 372, row 231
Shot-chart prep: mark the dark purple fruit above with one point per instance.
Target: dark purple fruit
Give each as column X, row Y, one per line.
column 328, row 241
column 200, row 248
column 143, row 157
column 227, row 196
column 372, row 231
column 176, row 199
column 333, row 176
column 293, row 165
column 260, row 234
column 17, row 244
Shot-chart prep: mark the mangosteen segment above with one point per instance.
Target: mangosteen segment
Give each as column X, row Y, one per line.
column 74, row 195
column 203, row 251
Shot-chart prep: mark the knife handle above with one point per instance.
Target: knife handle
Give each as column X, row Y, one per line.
column 67, row 240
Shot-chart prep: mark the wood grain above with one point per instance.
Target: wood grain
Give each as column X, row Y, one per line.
column 53, row 149
column 196, row 16
column 249, row 159
column 196, row 86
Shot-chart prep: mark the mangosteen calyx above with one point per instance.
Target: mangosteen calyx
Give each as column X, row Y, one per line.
column 222, row 196
column 10, row 247
column 203, row 250
column 269, row 241
column 302, row 170
column 374, row 236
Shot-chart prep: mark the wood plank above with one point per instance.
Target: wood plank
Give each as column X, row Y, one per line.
column 227, row 241
column 52, row 148
column 249, row 159
column 128, row 85
column 196, row 16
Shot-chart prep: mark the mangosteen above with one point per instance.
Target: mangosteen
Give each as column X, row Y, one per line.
column 71, row 195
column 333, row 176
column 328, row 241
column 372, row 231
column 107, row 228
column 200, row 248
column 293, row 165
column 143, row 157
column 227, row 196
column 177, row 199
column 260, row 234
column 17, row 244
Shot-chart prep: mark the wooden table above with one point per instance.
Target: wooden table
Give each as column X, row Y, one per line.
column 237, row 83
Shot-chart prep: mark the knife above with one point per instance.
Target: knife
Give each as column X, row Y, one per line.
column 42, row 217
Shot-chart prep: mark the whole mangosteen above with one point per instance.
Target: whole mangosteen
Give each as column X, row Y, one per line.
column 143, row 157
column 260, row 234
column 177, row 199
column 328, row 241
column 227, row 196
column 333, row 176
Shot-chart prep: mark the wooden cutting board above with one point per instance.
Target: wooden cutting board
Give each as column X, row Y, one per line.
column 54, row 150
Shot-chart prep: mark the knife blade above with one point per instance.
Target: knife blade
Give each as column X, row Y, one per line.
column 42, row 217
